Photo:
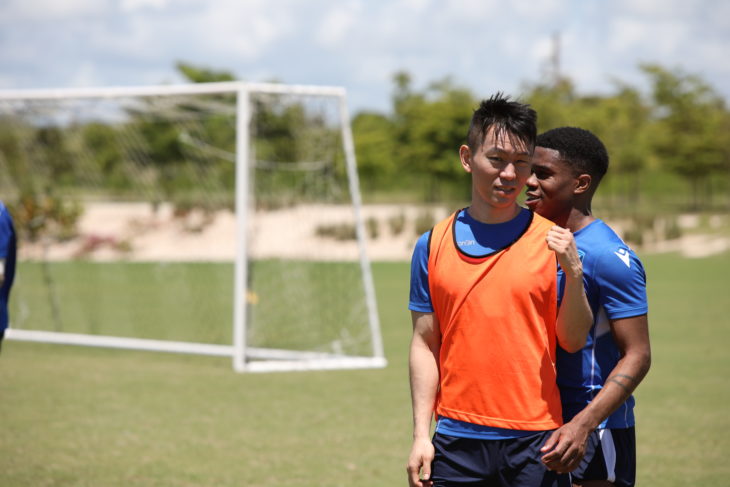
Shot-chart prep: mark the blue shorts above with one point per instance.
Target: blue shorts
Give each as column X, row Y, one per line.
column 513, row 462
column 610, row 455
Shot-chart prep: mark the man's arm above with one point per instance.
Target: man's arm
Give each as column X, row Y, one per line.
column 567, row 444
column 424, row 377
column 574, row 316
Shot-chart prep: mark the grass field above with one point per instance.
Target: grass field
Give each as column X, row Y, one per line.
column 74, row 416
column 193, row 302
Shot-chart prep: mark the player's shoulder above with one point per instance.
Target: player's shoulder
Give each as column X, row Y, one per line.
column 599, row 243
column 599, row 238
column 5, row 219
column 539, row 221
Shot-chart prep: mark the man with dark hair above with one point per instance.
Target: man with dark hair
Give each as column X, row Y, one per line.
column 486, row 322
column 596, row 382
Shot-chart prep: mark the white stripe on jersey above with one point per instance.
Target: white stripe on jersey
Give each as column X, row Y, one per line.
column 609, row 453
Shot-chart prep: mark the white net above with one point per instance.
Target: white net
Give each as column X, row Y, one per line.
column 126, row 211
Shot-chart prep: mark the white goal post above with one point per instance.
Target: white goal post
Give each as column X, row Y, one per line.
column 337, row 325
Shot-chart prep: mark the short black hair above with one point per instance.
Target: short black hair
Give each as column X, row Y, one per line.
column 515, row 119
column 579, row 148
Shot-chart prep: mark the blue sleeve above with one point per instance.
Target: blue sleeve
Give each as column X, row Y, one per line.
column 622, row 282
column 6, row 232
column 420, row 296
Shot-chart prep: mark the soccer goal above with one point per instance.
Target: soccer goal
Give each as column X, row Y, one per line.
column 151, row 218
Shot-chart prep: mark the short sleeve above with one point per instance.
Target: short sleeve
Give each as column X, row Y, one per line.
column 420, row 295
column 622, row 283
column 6, row 232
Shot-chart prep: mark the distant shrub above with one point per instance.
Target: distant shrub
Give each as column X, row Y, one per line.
column 424, row 222
column 373, row 227
column 634, row 234
column 397, row 223
column 672, row 229
column 46, row 215
column 337, row 231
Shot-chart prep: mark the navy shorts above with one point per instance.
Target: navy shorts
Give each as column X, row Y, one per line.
column 610, row 455
column 500, row 463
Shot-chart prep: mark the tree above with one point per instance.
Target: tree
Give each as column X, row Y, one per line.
column 375, row 149
column 691, row 135
column 429, row 127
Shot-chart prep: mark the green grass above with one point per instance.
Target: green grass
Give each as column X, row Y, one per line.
column 76, row 416
column 683, row 403
column 192, row 302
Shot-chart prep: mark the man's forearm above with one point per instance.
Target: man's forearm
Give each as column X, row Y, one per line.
column 574, row 317
column 619, row 386
column 424, row 379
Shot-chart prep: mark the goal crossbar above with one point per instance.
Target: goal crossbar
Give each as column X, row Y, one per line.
column 179, row 89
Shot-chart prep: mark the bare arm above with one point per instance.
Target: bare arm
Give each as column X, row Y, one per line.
column 424, row 378
column 574, row 316
column 568, row 442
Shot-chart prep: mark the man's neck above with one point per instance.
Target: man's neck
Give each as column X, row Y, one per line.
column 491, row 215
column 577, row 219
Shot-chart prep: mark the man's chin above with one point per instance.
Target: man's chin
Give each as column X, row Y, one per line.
column 532, row 204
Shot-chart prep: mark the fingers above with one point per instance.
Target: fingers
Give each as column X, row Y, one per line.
column 551, row 441
column 419, row 465
column 413, row 479
column 565, row 457
column 426, row 474
column 418, row 479
column 559, row 239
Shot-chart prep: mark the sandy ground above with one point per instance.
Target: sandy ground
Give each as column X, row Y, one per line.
column 137, row 232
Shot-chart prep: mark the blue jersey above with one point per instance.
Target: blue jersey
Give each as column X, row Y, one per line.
column 7, row 252
column 615, row 285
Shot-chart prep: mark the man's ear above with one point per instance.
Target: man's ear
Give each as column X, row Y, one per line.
column 465, row 157
column 583, row 183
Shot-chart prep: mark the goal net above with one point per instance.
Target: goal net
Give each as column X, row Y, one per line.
column 214, row 218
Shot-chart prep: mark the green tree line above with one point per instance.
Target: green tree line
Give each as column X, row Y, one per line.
column 672, row 143
column 669, row 145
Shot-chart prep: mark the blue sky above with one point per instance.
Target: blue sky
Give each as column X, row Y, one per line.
column 484, row 45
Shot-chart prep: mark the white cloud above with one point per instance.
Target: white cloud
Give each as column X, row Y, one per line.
column 38, row 10
column 360, row 44
column 132, row 5
column 662, row 9
column 244, row 29
column 629, row 35
column 337, row 23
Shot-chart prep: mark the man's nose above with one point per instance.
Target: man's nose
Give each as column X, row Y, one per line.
column 532, row 180
column 509, row 171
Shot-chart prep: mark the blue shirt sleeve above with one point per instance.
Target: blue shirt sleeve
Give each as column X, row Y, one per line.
column 6, row 232
column 420, row 295
column 622, row 282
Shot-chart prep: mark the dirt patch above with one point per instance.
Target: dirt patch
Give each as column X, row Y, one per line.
column 141, row 232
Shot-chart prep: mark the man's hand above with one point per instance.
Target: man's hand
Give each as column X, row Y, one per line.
column 419, row 463
column 565, row 448
column 561, row 241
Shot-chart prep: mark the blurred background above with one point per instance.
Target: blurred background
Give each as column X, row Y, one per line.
column 646, row 76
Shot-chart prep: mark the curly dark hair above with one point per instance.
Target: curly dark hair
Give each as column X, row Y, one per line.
column 516, row 119
column 579, row 148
